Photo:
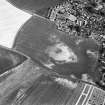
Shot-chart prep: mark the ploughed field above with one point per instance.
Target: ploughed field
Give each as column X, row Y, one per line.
column 56, row 58
column 56, row 50
column 81, row 18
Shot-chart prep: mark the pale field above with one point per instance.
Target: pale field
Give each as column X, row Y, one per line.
column 11, row 20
